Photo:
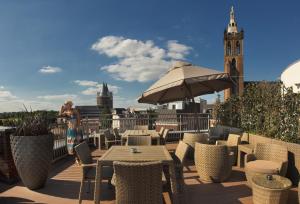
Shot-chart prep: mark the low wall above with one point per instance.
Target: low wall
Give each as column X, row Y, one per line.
column 293, row 154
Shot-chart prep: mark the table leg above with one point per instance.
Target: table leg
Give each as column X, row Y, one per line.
column 158, row 141
column 97, row 183
column 173, row 183
column 99, row 140
column 239, row 159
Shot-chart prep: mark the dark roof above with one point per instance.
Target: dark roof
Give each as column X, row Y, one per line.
column 88, row 111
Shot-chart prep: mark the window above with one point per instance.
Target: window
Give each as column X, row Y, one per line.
column 238, row 48
column 228, row 50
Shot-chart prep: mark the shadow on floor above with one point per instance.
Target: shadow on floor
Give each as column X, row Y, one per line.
column 16, row 200
column 70, row 189
column 202, row 193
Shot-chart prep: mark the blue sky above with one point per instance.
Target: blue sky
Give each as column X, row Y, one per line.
column 54, row 50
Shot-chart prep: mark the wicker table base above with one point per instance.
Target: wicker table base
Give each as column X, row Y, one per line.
column 273, row 191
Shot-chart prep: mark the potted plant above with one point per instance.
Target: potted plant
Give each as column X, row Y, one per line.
column 32, row 149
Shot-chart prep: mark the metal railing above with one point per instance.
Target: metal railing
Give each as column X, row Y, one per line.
column 177, row 123
column 60, row 141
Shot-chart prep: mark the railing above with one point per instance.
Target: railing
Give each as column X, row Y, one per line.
column 177, row 123
column 60, row 141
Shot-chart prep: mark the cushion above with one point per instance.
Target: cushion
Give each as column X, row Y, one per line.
column 264, row 166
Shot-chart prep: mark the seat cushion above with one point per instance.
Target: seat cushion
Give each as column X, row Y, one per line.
column 264, row 166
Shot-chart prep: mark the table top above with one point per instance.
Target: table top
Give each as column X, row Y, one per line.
column 144, row 153
column 277, row 182
column 152, row 133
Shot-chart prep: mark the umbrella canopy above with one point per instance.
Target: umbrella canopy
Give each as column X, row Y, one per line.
column 185, row 80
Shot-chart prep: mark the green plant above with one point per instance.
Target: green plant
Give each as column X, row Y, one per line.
column 33, row 124
column 263, row 109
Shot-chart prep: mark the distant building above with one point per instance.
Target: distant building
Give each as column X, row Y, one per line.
column 188, row 106
column 290, row 77
column 233, row 56
column 105, row 98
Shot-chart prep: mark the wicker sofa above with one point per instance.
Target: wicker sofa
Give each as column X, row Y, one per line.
column 232, row 143
column 267, row 159
column 212, row 162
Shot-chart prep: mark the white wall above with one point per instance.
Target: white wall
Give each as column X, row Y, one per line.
column 291, row 76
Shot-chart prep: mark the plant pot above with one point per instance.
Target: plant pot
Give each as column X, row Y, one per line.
column 32, row 156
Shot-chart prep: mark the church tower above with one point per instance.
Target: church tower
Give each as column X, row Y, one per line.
column 233, row 56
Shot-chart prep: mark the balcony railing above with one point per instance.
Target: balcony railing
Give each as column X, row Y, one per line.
column 177, row 123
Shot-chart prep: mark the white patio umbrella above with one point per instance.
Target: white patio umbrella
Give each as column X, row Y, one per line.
column 185, row 81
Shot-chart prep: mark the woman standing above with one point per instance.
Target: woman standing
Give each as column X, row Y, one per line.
column 74, row 136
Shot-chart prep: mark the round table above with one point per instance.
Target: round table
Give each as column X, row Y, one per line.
column 273, row 191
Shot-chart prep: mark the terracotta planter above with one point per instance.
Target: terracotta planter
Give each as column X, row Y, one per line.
column 32, row 156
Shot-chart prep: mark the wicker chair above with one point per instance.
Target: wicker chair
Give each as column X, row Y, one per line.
column 267, row 159
column 109, row 139
column 218, row 132
column 179, row 158
column 191, row 139
column 117, row 135
column 139, row 140
column 232, row 144
column 141, row 127
column 161, row 131
column 88, row 167
column 164, row 137
column 138, row 182
column 212, row 162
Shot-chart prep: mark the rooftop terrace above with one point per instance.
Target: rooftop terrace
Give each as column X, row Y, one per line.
column 64, row 181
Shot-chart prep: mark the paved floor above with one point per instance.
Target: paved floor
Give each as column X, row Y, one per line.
column 63, row 188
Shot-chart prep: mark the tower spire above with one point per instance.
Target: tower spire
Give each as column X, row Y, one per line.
column 232, row 26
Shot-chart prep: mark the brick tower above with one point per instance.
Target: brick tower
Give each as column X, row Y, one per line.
column 233, row 56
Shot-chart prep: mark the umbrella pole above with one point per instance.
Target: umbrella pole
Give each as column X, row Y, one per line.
column 196, row 125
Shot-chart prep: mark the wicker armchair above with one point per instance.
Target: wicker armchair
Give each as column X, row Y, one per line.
column 88, row 167
column 138, row 182
column 267, row 159
column 141, row 127
column 232, row 144
column 164, row 137
column 139, row 140
column 212, row 162
column 191, row 139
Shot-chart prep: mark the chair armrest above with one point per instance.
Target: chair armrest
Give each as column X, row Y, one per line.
column 88, row 165
column 221, row 142
column 249, row 157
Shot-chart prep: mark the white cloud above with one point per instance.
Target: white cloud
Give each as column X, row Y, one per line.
column 86, row 83
column 1, row 87
column 177, row 51
column 94, row 87
column 50, row 70
column 6, row 95
column 57, row 97
column 138, row 60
